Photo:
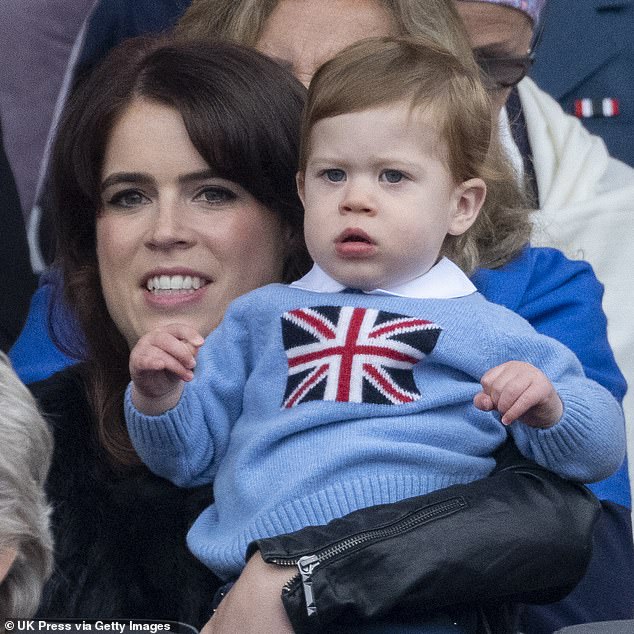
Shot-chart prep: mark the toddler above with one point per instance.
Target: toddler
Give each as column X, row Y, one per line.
column 382, row 374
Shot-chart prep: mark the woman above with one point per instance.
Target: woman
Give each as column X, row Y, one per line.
column 108, row 556
column 173, row 165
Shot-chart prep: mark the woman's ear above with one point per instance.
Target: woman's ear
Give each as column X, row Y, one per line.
column 299, row 179
column 469, row 198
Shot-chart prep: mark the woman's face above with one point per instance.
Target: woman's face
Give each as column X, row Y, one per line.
column 304, row 34
column 176, row 243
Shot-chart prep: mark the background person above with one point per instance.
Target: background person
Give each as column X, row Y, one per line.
column 211, row 118
column 585, row 200
column 26, row 548
column 36, row 39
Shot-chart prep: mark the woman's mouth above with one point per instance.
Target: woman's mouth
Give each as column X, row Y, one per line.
column 175, row 284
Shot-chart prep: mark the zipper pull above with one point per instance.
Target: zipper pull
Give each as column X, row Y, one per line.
column 306, row 565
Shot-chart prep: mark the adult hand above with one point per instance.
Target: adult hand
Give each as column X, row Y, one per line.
column 254, row 603
column 159, row 362
column 519, row 390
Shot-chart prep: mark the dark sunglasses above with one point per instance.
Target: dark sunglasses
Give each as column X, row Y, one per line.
column 503, row 72
column 499, row 72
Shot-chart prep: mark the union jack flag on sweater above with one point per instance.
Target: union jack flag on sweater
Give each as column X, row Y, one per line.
column 349, row 354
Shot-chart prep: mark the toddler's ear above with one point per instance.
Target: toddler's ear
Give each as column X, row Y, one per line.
column 299, row 179
column 469, row 198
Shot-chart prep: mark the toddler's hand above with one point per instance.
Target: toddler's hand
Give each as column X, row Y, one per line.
column 159, row 363
column 519, row 390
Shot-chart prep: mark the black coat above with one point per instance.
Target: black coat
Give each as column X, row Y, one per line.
column 120, row 548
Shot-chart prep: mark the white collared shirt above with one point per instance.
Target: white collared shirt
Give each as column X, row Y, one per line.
column 443, row 281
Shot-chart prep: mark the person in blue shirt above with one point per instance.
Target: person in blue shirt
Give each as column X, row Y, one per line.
column 381, row 394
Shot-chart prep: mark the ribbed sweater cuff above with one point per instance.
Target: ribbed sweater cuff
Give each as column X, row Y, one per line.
column 170, row 433
column 579, row 446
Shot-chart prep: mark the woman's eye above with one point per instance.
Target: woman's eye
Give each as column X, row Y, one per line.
column 215, row 195
column 335, row 175
column 392, row 176
column 128, row 198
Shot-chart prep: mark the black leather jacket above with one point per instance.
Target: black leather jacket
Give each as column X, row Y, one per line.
column 521, row 535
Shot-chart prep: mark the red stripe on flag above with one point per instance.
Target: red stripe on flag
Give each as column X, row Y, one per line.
column 348, row 353
column 376, row 351
column 401, row 324
column 315, row 322
column 304, row 387
column 388, row 387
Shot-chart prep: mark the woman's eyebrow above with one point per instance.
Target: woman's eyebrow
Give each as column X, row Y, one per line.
column 138, row 178
column 135, row 178
column 197, row 176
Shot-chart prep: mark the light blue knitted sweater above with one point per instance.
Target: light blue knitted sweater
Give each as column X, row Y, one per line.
column 304, row 407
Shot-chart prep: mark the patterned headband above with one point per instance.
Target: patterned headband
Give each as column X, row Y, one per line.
column 532, row 8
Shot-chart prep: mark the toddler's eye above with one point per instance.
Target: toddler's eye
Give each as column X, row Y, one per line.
column 335, row 175
column 392, row 176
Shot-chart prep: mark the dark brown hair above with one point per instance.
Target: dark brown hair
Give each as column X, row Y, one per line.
column 242, row 112
column 423, row 73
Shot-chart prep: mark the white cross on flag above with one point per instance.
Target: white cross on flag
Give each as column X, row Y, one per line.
column 348, row 354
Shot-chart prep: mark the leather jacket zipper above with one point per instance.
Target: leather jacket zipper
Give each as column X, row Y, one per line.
column 307, row 564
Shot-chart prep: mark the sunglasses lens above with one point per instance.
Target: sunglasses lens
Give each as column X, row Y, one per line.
column 503, row 72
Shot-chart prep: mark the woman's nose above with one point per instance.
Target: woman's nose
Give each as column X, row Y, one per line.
column 170, row 228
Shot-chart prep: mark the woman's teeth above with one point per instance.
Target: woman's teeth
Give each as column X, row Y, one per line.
column 174, row 283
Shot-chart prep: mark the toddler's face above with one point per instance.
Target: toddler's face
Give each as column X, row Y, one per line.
column 378, row 196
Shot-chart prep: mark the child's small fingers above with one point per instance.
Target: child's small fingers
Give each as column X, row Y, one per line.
column 494, row 381
column 177, row 348
column 497, row 388
column 164, row 362
column 186, row 333
column 483, row 402
column 489, row 377
column 511, row 393
column 524, row 401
